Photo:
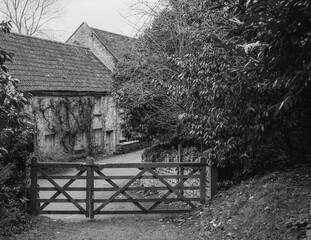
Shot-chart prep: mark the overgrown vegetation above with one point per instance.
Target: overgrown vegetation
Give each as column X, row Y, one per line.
column 13, row 215
column 234, row 76
column 167, row 153
column 67, row 118
column 149, row 113
column 15, row 146
column 274, row 206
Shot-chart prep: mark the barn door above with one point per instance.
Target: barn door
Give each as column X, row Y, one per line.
column 109, row 141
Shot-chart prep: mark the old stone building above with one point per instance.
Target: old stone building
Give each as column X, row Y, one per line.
column 108, row 47
column 72, row 105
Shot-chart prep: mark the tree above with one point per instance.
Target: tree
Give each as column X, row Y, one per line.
column 239, row 73
column 15, row 146
column 29, row 17
column 141, row 80
column 209, row 86
column 14, row 122
column 167, row 33
column 149, row 112
column 245, row 84
column 277, row 36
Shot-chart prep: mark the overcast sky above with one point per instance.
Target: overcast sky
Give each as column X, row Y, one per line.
column 119, row 16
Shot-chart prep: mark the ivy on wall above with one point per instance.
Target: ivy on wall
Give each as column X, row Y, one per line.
column 67, row 117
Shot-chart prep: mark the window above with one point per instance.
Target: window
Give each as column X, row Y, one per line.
column 97, row 105
column 109, row 141
column 50, row 142
column 80, row 140
column 97, row 122
column 98, row 137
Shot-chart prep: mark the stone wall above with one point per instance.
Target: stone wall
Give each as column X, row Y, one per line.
column 85, row 37
column 105, row 122
column 130, row 146
column 192, row 182
column 211, row 178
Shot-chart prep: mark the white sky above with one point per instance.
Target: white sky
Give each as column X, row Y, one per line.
column 119, row 16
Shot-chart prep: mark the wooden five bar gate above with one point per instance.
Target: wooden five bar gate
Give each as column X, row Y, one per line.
column 93, row 175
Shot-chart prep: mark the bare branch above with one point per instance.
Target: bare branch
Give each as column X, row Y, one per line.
column 30, row 16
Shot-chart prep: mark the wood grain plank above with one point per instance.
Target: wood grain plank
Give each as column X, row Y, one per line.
column 59, row 188
column 55, row 195
column 116, row 187
column 172, row 189
column 120, row 191
column 166, row 195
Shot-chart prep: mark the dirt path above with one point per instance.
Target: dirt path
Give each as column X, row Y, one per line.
column 108, row 227
column 125, row 227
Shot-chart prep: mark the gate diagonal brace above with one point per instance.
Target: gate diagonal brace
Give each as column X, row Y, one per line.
column 58, row 192
column 121, row 190
column 61, row 190
column 171, row 190
column 112, row 183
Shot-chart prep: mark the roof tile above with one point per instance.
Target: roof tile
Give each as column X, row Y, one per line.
column 44, row 65
column 117, row 44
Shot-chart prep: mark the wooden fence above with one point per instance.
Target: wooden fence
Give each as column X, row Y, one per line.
column 120, row 187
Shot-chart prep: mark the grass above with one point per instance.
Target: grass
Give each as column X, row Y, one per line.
column 274, row 206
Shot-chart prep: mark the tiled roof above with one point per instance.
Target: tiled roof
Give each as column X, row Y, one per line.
column 117, row 44
column 44, row 65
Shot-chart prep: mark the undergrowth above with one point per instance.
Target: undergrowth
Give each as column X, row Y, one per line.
column 274, row 206
column 13, row 216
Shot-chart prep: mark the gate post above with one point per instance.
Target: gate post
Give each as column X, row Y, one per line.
column 203, row 180
column 34, row 186
column 90, row 188
column 212, row 179
column 181, row 168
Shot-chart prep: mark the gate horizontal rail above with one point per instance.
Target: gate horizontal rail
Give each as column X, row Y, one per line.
column 92, row 205
column 117, row 177
column 116, row 165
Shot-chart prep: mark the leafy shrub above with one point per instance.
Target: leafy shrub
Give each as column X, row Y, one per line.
column 15, row 145
column 19, row 145
column 245, row 83
column 167, row 152
column 239, row 77
column 12, row 211
column 158, row 153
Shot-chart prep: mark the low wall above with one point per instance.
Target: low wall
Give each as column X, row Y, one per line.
column 130, row 146
column 210, row 180
column 191, row 182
